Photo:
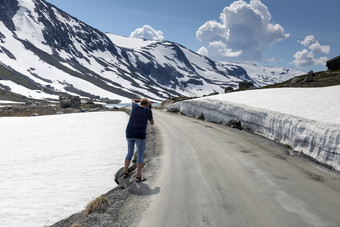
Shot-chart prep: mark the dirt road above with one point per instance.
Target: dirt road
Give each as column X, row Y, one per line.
column 212, row 175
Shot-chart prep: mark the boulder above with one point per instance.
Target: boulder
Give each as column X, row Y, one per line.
column 245, row 85
column 68, row 101
column 309, row 77
column 293, row 81
column 228, row 89
column 119, row 174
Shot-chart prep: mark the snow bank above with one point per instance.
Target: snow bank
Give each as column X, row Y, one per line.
column 305, row 129
column 53, row 166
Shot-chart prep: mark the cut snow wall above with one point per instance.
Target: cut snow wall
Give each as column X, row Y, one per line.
column 316, row 139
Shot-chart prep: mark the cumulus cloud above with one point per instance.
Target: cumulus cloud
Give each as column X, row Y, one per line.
column 203, row 51
column 243, row 32
column 307, row 58
column 221, row 49
column 304, row 58
column 147, row 32
column 314, row 45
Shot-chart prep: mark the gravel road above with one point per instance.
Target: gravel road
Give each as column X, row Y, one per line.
column 212, row 175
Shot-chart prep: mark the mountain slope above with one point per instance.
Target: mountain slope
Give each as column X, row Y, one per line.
column 44, row 52
column 196, row 74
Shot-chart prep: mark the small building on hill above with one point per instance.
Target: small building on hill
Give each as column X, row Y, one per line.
column 334, row 63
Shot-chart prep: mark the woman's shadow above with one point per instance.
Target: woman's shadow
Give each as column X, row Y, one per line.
column 142, row 189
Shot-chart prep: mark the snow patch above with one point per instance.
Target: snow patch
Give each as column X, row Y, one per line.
column 35, row 94
column 27, row 27
column 58, row 164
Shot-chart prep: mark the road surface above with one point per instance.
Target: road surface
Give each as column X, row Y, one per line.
column 212, row 175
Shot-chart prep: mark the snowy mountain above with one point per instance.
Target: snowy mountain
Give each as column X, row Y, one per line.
column 44, row 52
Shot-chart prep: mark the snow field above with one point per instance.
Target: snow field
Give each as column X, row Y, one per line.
column 53, row 166
column 307, row 119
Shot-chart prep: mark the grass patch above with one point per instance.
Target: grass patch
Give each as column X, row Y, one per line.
column 99, row 205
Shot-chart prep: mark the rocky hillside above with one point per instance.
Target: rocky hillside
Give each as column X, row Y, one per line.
column 311, row 79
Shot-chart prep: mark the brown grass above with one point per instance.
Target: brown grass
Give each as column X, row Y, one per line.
column 76, row 225
column 99, row 205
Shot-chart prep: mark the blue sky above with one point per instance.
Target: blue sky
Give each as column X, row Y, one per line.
column 300, row 34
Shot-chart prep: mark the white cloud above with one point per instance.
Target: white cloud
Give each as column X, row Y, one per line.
column 309, row 40
column 221, row 49
column 147, row 32
column 243, row 32
column 203, row 51
column 211, row 31
column 306, row 58
column 314, row 45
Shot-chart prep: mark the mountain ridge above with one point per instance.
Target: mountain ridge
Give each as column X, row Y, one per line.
column 45, row 51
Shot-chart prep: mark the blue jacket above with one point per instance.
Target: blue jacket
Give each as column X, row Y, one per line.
column 138, row 122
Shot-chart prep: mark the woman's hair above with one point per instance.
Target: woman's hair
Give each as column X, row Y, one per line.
column 144, row 102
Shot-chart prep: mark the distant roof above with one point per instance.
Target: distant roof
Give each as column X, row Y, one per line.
column 333, row 59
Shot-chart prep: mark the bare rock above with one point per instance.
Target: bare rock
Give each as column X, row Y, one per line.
column 228, row 89
column 309, row 77
column 245, row 85
column 294, row 81
column 68, row 101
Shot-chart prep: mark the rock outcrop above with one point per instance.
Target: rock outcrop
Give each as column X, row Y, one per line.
column 309, row 77
column 245, row 85
column 228, row 89
column 67, row 101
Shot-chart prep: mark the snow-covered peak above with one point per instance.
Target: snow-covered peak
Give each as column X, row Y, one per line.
column 46, row 51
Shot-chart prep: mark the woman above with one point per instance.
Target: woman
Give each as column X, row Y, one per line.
column 136, row 134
